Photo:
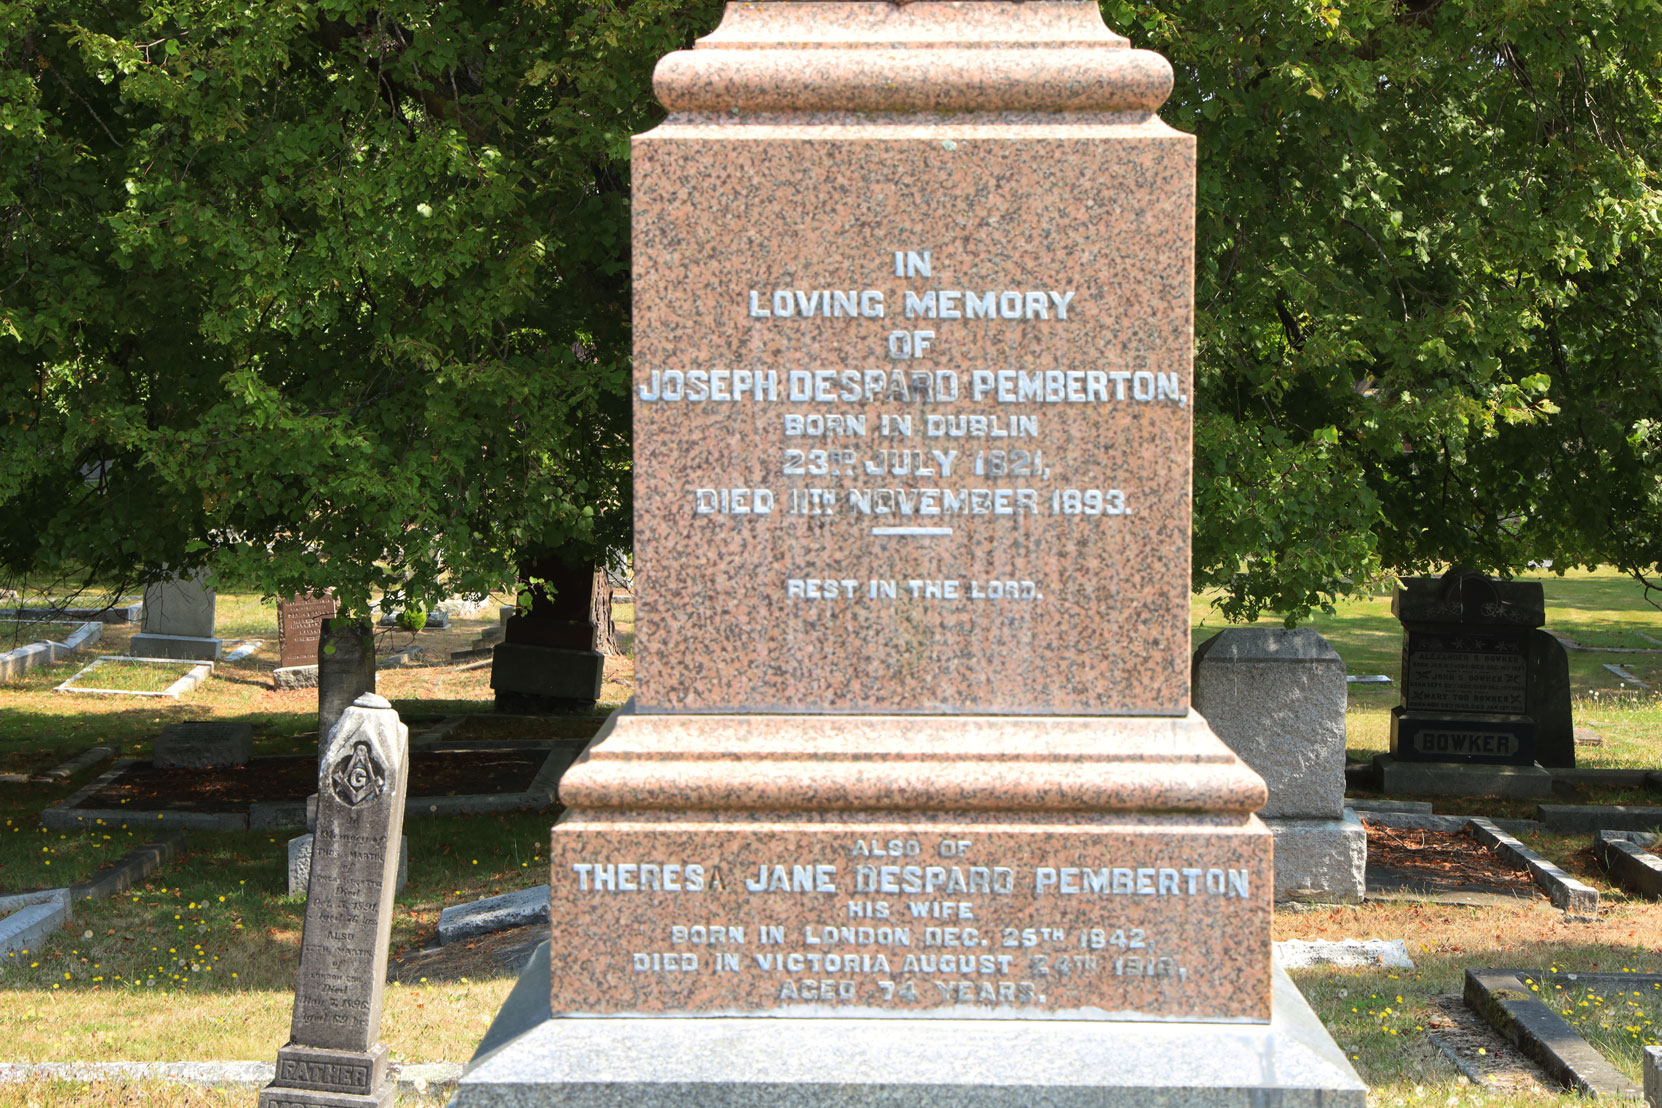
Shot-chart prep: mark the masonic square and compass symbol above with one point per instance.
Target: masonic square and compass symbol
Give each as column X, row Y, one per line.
column 358, row 777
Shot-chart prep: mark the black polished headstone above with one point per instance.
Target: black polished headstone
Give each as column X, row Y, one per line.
column 1480, row 682
column 1548, row 691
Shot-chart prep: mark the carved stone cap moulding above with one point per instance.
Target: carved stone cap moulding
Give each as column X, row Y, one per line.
column 924, row 56
column 914, row 764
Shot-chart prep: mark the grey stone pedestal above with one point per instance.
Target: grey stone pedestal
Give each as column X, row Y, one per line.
column 529, row 1059
column 325, row 1078
column 1320, row 859
column 185, row 648
column 1278, row 699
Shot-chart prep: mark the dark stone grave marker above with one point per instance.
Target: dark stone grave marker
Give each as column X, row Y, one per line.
column 1481, row 683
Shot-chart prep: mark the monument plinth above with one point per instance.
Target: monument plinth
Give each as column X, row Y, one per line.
column 911, row 754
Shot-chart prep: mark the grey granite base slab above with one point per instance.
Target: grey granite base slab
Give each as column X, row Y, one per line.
column 184, row 647
column 1371, row 807
column 892, row 1063
column 294, row 677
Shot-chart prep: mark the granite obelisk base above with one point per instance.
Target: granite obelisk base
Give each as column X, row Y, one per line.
column 528, row 1059
column 333, row 1057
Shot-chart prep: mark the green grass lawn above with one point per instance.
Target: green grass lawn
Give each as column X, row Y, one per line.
column 133, row 676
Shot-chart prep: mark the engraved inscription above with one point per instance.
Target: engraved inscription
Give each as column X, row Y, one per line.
column 915, row 925
column 899, row 474
column 345, row 1077
column 1466, row 673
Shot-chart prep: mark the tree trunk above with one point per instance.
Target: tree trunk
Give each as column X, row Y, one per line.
column 600, row 610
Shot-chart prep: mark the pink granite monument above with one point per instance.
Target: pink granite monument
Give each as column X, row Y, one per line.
column 911, row 749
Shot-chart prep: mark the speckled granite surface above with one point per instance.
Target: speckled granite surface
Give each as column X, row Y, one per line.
column 912, row 738
column 1007, row 605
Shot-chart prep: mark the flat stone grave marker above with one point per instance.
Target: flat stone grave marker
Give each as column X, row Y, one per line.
column 199, row 743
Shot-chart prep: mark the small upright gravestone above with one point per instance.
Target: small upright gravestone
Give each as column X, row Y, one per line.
column 1278, row 699
column 1481, row 683
column 547, row 660
column 299, row 628
column 333, row 1056
column 178, row 620
column 345, row 668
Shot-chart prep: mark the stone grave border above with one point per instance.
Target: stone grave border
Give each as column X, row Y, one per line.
column 197, row 674
column 1631, row 866
column 1502, row 1000
column 131, row 612
column 20, row 660
column 28, row 918
column 1622, row 674
column 271, row 815
column 1592, row 818
column 1576, row 899
column 64, row 770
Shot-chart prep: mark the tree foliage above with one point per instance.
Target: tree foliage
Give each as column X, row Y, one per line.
column 318, row 293
column 1429, row 289
column 347, row 282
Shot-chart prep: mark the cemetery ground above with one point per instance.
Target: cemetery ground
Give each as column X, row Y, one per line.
column 197, row 961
